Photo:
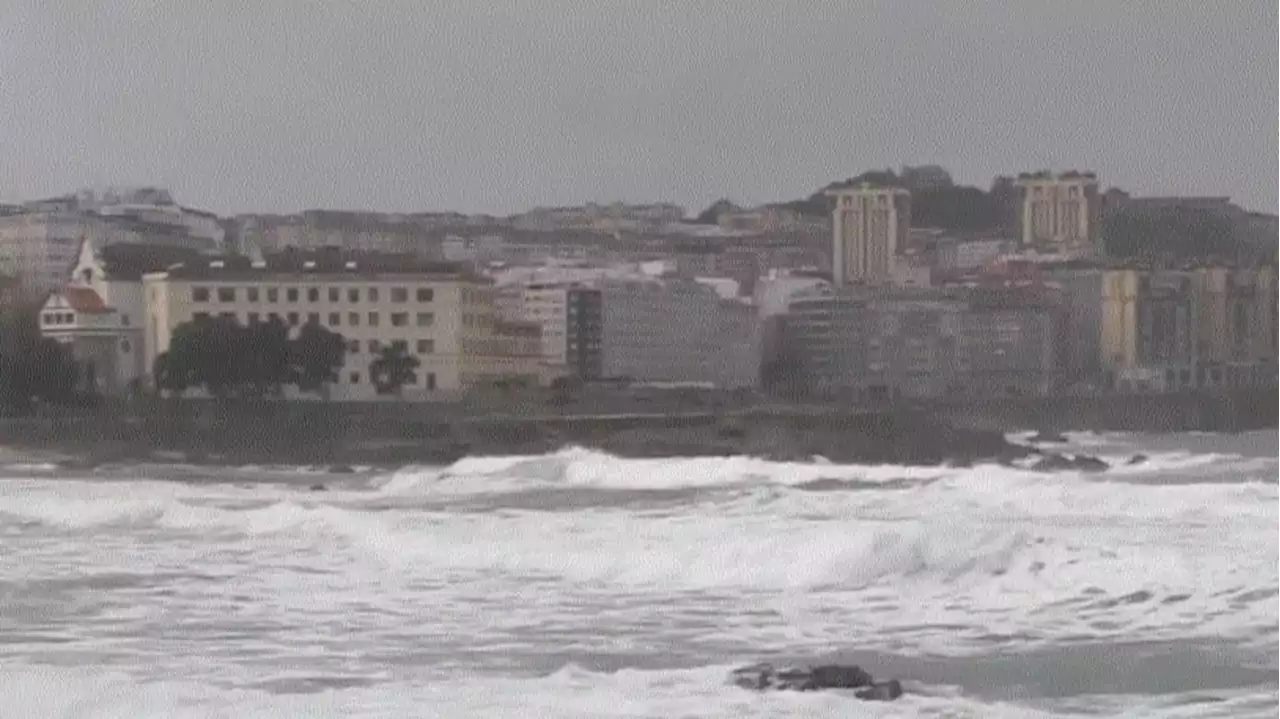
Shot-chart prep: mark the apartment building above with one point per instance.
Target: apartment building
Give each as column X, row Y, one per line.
column 444, row 315
column 922, row 343
column 1166, row 330
column 41, row 247
column 868, row 225
column 679, row 331
column 1061, row 211
column 569, row 316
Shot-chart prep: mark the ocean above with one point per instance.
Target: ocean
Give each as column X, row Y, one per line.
column 582, row 585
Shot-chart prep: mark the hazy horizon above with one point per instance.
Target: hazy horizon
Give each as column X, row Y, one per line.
column 488, row 108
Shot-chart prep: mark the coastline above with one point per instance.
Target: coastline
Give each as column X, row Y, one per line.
column 394, row 433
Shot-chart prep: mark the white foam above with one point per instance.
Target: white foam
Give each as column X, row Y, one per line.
column 570, row 693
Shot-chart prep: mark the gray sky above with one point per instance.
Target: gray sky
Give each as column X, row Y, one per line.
column 497, row 106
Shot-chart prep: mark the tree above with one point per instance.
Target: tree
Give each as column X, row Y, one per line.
column 393, row 369
column 33, row 368
column 316, row 356
column 266, row 358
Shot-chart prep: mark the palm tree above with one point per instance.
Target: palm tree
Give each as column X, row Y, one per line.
column 393, row 369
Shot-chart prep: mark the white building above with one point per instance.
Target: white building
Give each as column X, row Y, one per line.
column 100, row 313
column 570, row 320
column 445, row 316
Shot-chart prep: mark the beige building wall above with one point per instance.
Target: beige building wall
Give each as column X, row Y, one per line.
column 868, row 225
column 433, row 316
column 1063, row 211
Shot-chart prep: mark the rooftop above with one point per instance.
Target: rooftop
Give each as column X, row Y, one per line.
column 129, row 262
column 330, row 263
column 84, row 300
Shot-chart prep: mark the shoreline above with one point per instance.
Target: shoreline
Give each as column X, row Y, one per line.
column 235, row 433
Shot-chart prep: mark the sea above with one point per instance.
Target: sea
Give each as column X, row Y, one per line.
column 578, row 584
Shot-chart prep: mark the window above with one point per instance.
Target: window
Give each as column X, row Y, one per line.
column 293, row 319
column 353, row 294
column 125, row 347
column 431, row 381
column 334, row 294
column 227, row 315
column 124, row 320
column 251, row 294
column 273, row 317
column 273, row 294
column 373, row 294
column 399, row 319
column 353, row 346
column 374, row 346
column 199, row 294
column 291, row 294
column 200, row 316
column 426, row 319
column 353, row 319
column 254, row 318
column 226, row 294
column 313, row 294
column 335, row 319
column 426, row 294
column 399, row 294
column 426, row 347
column 373, row 319
column 313, row 318
column 354, row 377
column 49, row 319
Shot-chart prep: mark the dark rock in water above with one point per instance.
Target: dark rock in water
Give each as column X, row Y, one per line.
column 1137, row 459
column 1054, row 462
column 881, row 691
column 319, row 488
column 1044, row 436
column 759, row 677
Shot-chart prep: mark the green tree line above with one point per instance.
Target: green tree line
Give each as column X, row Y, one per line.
column 227, row 359
column 34, row 369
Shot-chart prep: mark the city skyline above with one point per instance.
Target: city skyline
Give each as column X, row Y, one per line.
column 499, row 110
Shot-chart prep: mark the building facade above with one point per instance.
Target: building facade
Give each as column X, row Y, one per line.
column 570, row 321
column 868, row 225
column 444, row 315
column 924, row 344
column 100, row 313
column 1168, row 330
column 1059, row 211
column 678, row 331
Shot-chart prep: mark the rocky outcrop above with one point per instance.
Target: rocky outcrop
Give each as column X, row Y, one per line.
column 762, row 677
column 1053, row 462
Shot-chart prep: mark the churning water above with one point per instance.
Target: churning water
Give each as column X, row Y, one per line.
column 582, row 585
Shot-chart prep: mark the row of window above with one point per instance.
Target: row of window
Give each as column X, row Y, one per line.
column 422, row 347
column 428, row 380
column 312, row 294
column 372, row 319
column 59, row 318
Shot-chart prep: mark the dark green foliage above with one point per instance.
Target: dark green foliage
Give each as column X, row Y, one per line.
column 952, row 207
column 317, row 355
column 228, row 359
column 393, row 369
column 1170, row 234
column 33, row 368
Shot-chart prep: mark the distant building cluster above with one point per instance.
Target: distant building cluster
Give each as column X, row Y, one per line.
column 858, row 299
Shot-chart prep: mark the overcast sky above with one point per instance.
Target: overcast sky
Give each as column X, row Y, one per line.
column 498, row 106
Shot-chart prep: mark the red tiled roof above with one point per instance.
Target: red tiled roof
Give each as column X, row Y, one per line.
column 83, row 299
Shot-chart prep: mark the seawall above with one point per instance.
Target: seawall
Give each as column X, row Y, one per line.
column 318, row 433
